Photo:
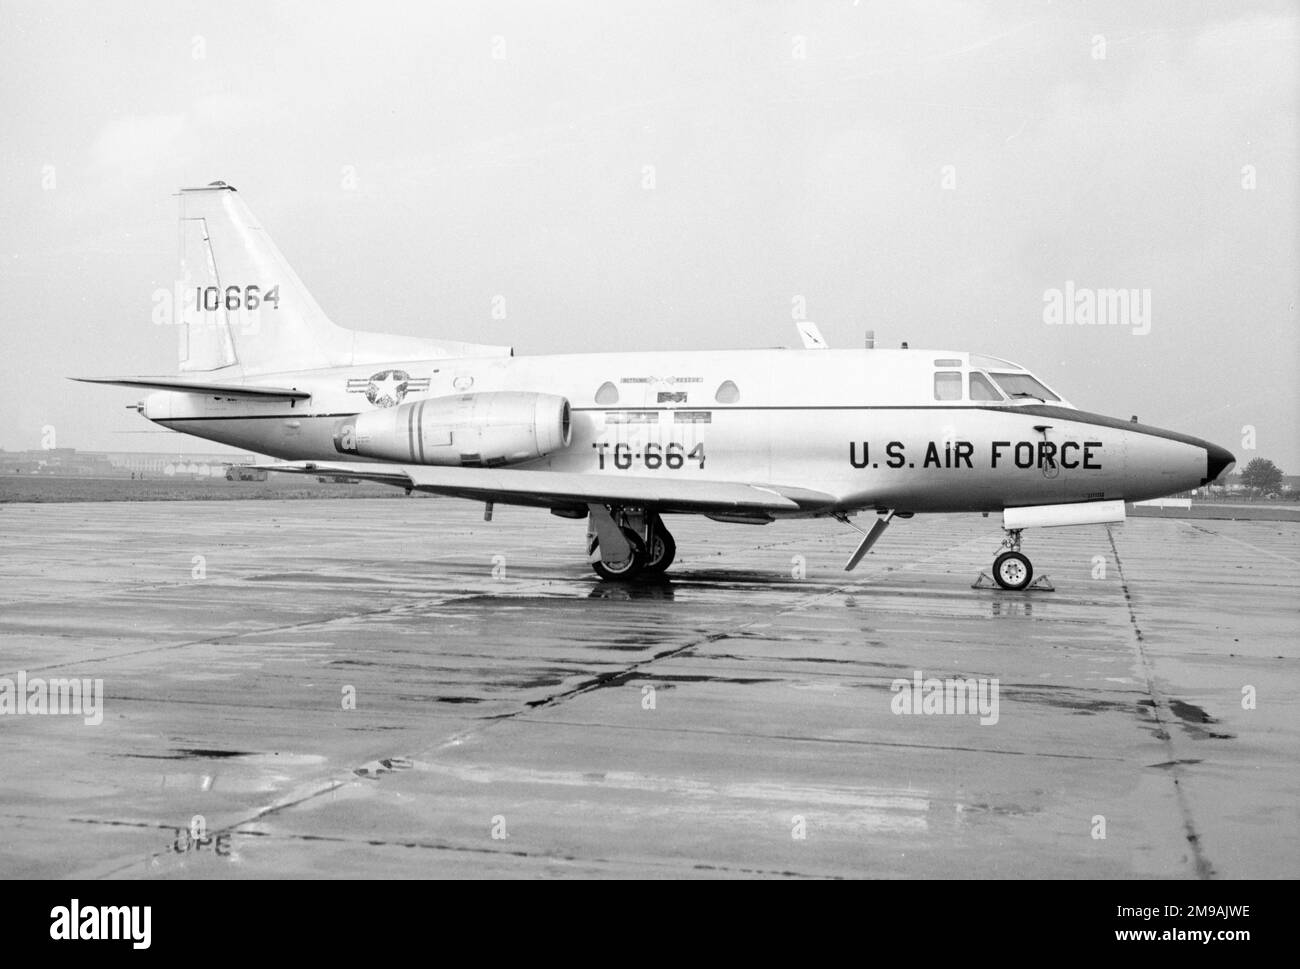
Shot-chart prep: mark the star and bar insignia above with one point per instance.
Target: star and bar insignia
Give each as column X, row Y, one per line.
column 388, row 387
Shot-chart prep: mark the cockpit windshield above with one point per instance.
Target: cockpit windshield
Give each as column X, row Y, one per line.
column 981, row 362
column 1021, row 385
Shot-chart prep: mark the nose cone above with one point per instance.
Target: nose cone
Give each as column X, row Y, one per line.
column 1218, row 461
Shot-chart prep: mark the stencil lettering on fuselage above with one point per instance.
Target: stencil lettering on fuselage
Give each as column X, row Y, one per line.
column 955, row 454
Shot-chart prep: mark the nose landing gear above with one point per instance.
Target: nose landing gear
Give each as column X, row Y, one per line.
column 1012, row 570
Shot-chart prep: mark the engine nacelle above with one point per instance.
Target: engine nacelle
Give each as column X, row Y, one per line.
column 473, row 430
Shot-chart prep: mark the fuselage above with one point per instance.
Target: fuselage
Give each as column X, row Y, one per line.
column 914, row 430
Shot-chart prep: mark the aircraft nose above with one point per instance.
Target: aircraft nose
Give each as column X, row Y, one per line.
column 1217, row 461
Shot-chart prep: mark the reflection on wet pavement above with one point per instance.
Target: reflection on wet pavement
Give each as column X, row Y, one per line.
column 353, row 692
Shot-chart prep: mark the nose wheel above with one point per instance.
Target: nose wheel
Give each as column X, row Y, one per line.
column 1011, row 569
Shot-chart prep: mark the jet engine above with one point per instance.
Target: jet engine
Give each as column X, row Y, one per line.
column 472, row 430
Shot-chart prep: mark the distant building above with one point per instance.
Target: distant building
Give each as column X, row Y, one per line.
column 119, row 464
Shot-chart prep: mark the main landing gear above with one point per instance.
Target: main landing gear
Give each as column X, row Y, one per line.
column 1012, row 569
column 623, row 543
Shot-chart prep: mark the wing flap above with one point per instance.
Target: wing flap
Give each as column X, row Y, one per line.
column 246, row 391
column 557, row 488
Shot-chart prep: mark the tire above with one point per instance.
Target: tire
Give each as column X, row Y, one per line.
column 634, row 564
column 660, row 552
column 1011, row 570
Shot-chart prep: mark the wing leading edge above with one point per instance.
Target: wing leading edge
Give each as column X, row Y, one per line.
column 561, row 488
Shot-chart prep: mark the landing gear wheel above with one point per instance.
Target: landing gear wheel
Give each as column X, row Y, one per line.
column 660, row 552
column 1011, row 570
column 627, row 570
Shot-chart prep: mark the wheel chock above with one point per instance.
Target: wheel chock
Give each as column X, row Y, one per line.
column 1040, row 584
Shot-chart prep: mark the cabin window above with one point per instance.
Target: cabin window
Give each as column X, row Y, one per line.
column 981, row 388
column 728, row 393
column 947, row 385
column 947, row 363
column 608, row 394
column 1023, row 385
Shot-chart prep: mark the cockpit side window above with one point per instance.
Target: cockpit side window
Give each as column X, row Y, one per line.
column 947, row 385
column 981, row 388
column 1023, row 385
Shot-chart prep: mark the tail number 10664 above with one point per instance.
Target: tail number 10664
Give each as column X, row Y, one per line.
column 211, row 298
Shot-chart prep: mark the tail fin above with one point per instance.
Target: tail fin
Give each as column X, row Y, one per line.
column 246, row 312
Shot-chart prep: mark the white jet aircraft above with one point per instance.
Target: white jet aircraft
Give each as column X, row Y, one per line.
column 623, row 439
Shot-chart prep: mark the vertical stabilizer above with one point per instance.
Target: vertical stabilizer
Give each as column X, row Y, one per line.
column 243, row 304
column 246, row 312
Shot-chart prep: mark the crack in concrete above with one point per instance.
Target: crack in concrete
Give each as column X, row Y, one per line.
column 1164, row 718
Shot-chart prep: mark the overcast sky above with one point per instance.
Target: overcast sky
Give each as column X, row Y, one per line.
column 637, row 176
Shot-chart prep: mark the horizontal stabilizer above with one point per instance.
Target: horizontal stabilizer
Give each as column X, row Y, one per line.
column 558, row 488
column 247, row 391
